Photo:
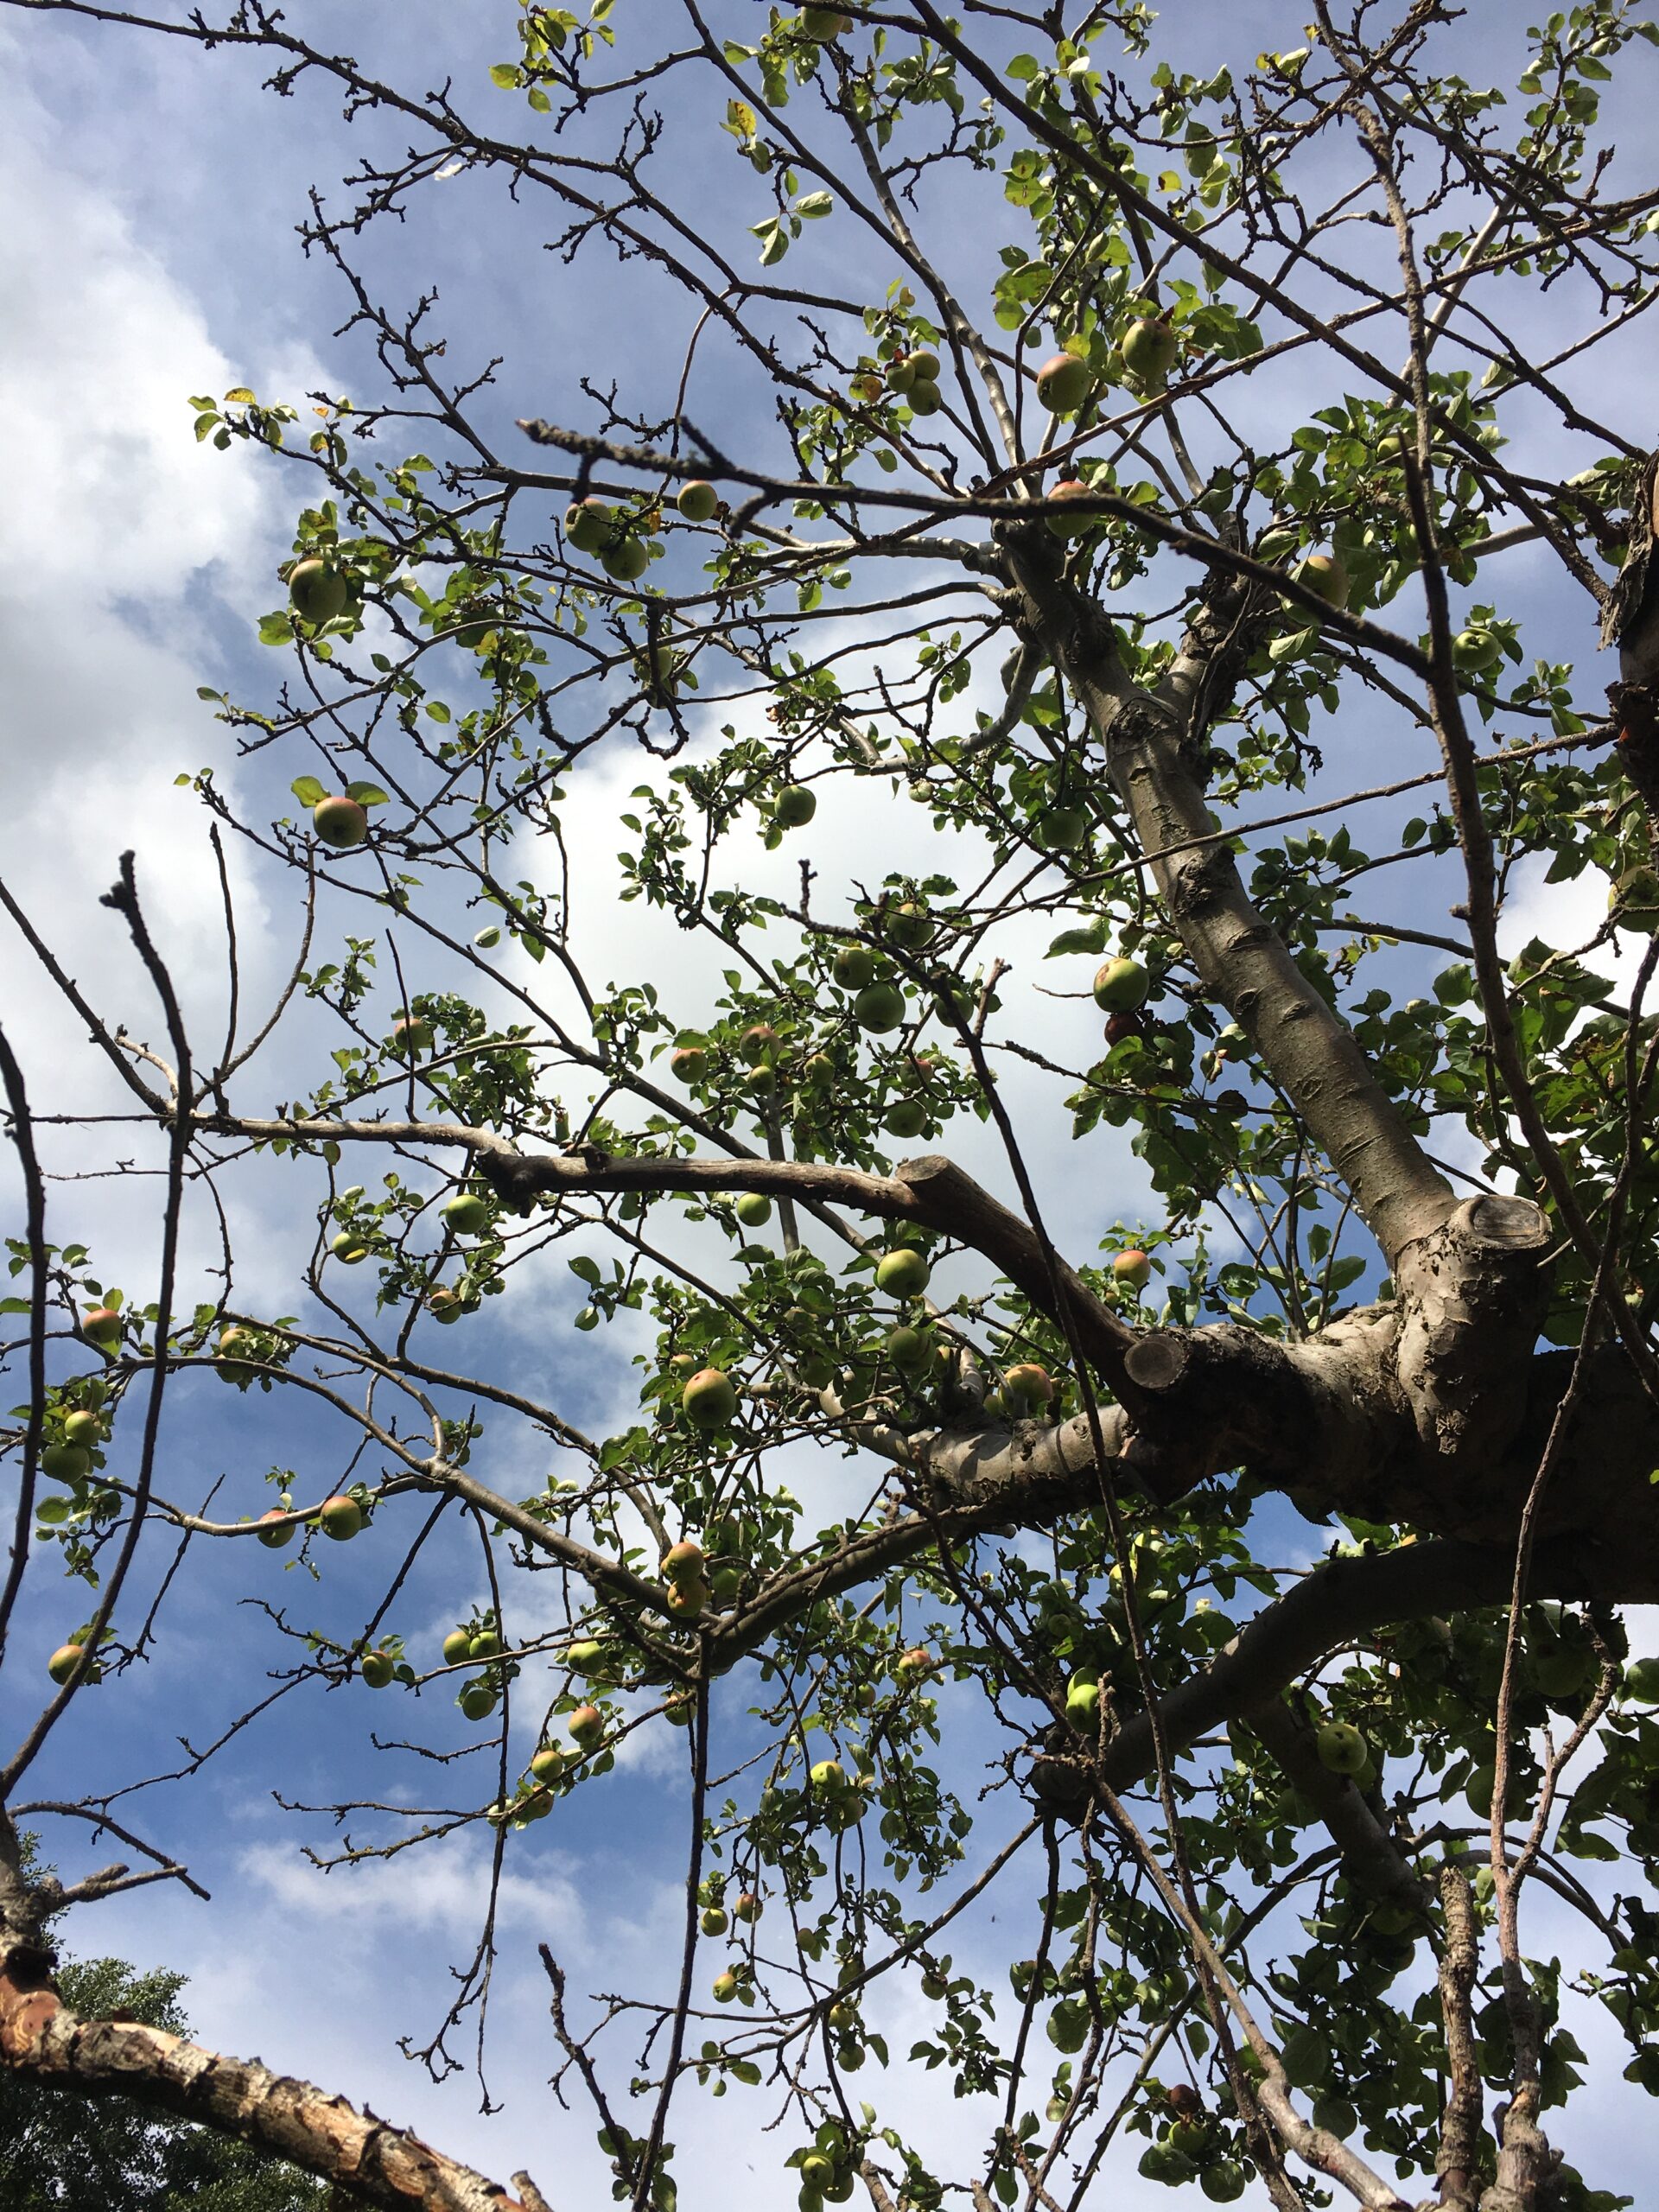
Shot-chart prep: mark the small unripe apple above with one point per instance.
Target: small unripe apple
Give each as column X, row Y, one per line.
column 81, row 1428
column 484, row 1643
column 587, row 1725
column 1120, row 986
column 477, row 1701
column 747, row 1906
column 853, row 968
column 925, row 397
column 817, row 2171
column 1476, row 651
column 1062, row 829
column 1150, row 350
column 1030, row 1383
column 759, row 1044
column 794, row 806
column 908, row 925
column 231, row 1341
column 697, row 500
column 879, row 1008
column 910, row 1349
column 935, row 1987
column 316, row 592
column 1642, row 1681
column 1224, row 2182
column 625, row 559
column 815, row 1371
column 64, row 1660
column 340, row 1517
column 828, row 1777
column 1063, row 383
column 66, row 1462
column 102, row 1323
column 273, row 1538
column 753, row 1209
column 466, row 1213
column 725, row 1986
column 906, row 1118
column 446, row 1305
column 377, row 1669
column 903, row 1273
column 709, row 1399
column 1082, row 1702
column 457, row 1647
column 339, row 821
column 716, row 1919
column 349, row 1246
column 547, row 1763
column 413, row 1032
column 1342, row 1747
column 1324, row 575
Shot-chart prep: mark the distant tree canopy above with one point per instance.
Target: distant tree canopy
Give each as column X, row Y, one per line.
column 1077, row 532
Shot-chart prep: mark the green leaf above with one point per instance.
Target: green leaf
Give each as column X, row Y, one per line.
column 367, row 794
column 505, row 73
column 308, row 790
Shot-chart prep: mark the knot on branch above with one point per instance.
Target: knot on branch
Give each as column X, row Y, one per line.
column 514, row 1179
column 1473, row 1295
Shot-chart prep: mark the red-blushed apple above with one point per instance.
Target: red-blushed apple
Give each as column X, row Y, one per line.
column 1070, row 525
column 686, row 1600
column 340, row 1517
column 689, row 1063
column 587, row 1725
column 725, row 1986
column 915, row 1665
column 747, row 1906
column 446, row 1305
column 759, row 1044
column 1028, row 1382
column 274, row 1537
column 683, row 1562
column 101, row 1324
column 1133, row 1270
column 67, row 1660
column 340, row 822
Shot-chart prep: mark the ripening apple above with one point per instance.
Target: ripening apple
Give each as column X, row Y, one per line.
column 466, row 1213
column 903, row 1273
column 625, row 559
column 1032, row 1384
column 1063, row 383
column 853, row 968
column 759, row 1044
column 339, row 821
column 1150, row 351
column 686, row 1600
column 1133, row 1270
column 1120, row 986
column 316, row 592
column 81, row 1428
column 828, row 1777
column 588, row 526
column 413, row 1031
column 753, row 1209
column 709, row 1399
column 1070, row 525
column 794, row 806
column 716, row 1919
column 1342, row 1747
column 65, row 1660
column 377, row 1669
column 683, row 1562
column 697, row 500
column 906, row 1118
column 66, row 1462
column 547, row 1763
column 340, row 1517
column 587, row 1725
column 725, row 1986
column 477, row 1701
column 1083, row 1701
column 446, row 1305
column 747, row 1906
column 457, row 1647
column 274, row 1537
column 102, row 1325
column 231, row 1341
column 689, row 1063
column 879, row 1008
column 1324, row 575
column 349, row 1246
column 915, row 1665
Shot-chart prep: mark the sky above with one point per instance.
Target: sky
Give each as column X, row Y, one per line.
column 149, row 255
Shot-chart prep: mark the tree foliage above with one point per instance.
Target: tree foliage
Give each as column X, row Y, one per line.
column 1109, row 453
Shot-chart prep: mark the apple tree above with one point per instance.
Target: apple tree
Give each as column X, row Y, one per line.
column 1089, row 534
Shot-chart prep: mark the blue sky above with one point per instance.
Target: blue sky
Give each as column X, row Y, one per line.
column 149, row 255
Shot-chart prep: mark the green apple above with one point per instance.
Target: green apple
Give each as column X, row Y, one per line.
column 231, row 1368
column 697, row 500
column 1324, row 575
column 686, row 1600
column 1342, row 1747
column 102, row 1326
column 716, row 1919
column 1070, row 525
column 689, row 1063
column 753, row 1209
column 413, row 1032
column 759, row 1044
column 466, row 1213
column 1475, row 651
column 827, row 1777
column 1642, row 1681
column 484, row 1643
column 815, row 1371
column 82, row 1428
column 817, row 2171
column 274, row 1537
column 903, row 1273
column 908, row 925
column 625, row 559
column 1223, row 2183
column 725, row 1986
column 924, row 365
column 457, row 1647
column 340, row 1517
column 446, row 1305
column 853, row 968
column 794, row 806
column 1063, row 383
column 1150, row 351
column 709, row 1399
column 906, row 1118
column 1061, row 829
column 377, row 1669
column 477, row 1701
column 547, row 1763
column 879, row 1008
column 587, row 1725
column 924, row 398
column 1133, row 1270
column 66, row 1462
column 349, row 1248
column 339, row 821
column 1082, row 1702
column 1120, row 986
column 589, row 526
column 910, row 1349
column 316, row 592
